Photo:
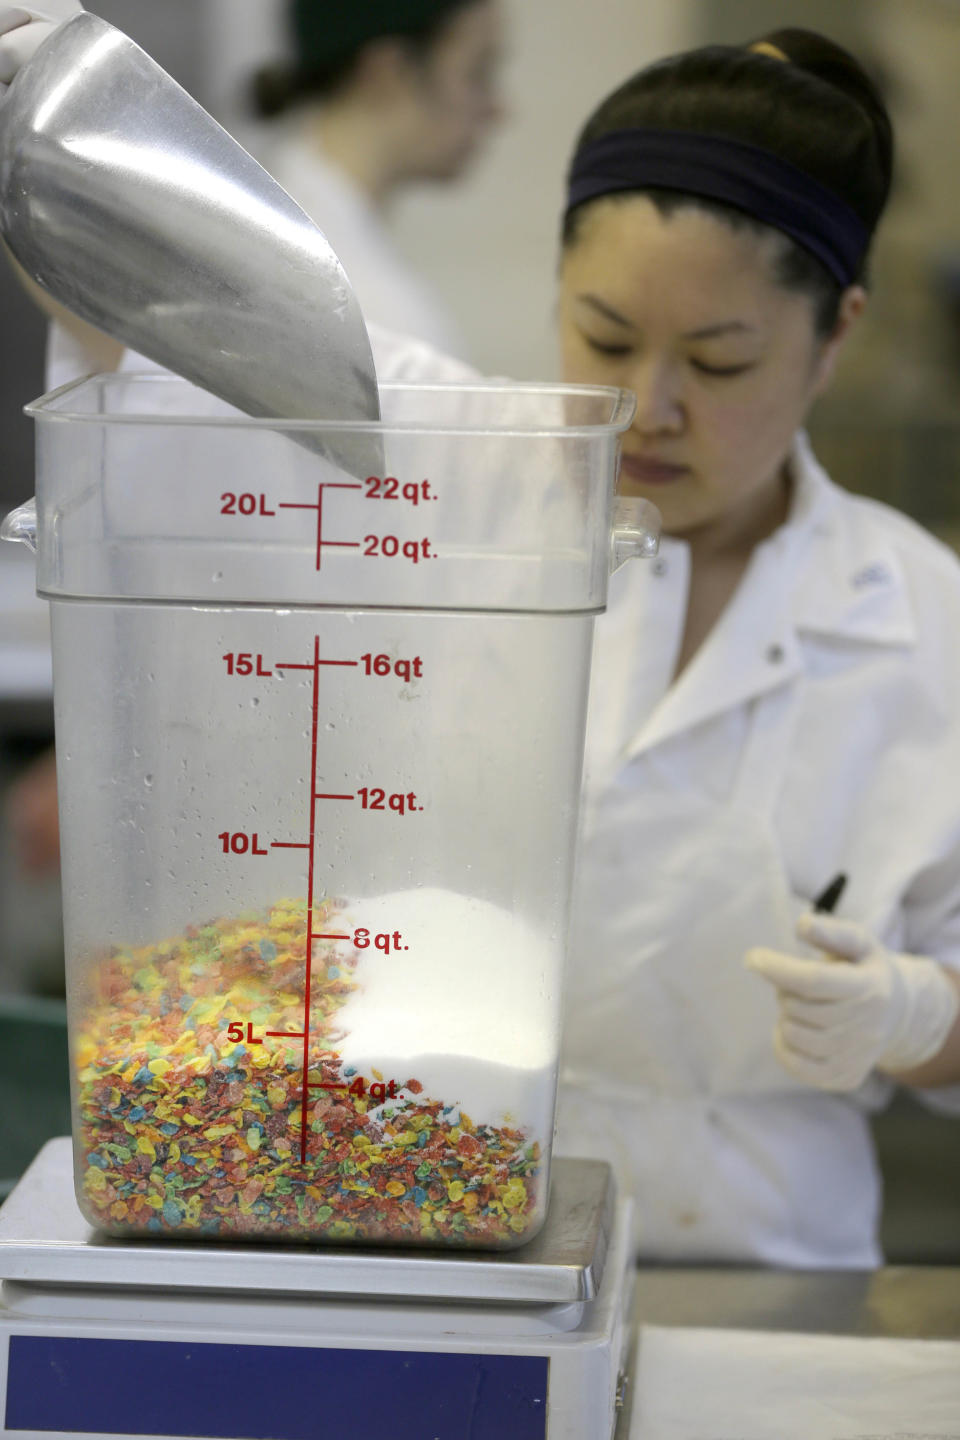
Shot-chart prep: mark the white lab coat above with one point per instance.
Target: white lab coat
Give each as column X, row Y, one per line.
column 817, row 730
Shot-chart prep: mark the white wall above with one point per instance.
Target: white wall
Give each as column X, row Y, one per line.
column 488, row 244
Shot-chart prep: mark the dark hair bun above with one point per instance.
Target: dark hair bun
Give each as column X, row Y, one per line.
column 818, row 110
column 830, row 63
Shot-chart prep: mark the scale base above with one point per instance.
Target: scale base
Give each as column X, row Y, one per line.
column 84, row 1359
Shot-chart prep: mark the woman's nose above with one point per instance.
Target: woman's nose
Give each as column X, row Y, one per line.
column 659, row 395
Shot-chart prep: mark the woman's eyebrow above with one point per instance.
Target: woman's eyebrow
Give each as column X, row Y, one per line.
column 707, row 332
column 605, row 310
column 726, row 327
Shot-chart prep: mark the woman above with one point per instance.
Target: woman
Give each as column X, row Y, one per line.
column 774, row 701
column 378, row 97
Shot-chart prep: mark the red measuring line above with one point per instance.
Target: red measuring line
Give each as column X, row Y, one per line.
column 318, row 506
column 308, row 973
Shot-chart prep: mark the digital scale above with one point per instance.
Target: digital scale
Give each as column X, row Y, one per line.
column 243, row 1342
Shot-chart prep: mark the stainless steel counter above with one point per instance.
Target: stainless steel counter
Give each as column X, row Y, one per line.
column 908, row 1302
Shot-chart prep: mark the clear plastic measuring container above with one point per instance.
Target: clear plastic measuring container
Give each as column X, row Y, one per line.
column 319, row 745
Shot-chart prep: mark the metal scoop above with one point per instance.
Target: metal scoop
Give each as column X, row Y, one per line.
column 125, row 200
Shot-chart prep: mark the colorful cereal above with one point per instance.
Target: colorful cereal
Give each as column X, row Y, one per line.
column 187, row 1131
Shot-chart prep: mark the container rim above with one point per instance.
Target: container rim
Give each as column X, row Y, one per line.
column 623, row 404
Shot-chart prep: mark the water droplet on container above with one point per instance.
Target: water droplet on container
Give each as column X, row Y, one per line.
column 217, row 575
column 148, row 781
column 255, row 701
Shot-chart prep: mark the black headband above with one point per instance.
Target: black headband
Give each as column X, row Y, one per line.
column 745, row 176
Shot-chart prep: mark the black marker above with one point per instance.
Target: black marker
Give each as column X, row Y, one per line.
column 828, row 900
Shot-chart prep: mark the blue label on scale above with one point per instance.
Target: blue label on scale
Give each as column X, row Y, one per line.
column 271, row 1392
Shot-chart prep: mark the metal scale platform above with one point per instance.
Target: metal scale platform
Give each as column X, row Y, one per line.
column 135, row 1338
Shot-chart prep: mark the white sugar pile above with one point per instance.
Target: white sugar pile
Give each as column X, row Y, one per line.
column 468, row 1005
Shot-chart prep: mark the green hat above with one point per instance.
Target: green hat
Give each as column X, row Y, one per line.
column 326, row 32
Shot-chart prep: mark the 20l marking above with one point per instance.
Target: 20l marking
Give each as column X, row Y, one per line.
column 248, row 505
column 231, row 504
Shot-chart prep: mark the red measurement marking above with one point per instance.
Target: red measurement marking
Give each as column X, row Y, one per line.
column 305, row 1089
column 318, row 506
column 309, row 504
column 338, row 662
column 333, row 937
column 319, row 796
column 286, row 1034
column 287, row 845
column 282, row 666
column 321, row 1085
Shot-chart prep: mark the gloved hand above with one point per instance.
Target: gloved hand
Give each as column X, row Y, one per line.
column 869, row 1008
column 23, row 28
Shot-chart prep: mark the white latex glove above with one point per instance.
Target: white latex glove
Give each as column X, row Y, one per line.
column 867, row 1009
column 23, row 29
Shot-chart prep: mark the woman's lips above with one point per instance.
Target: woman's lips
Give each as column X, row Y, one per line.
column 650, row 472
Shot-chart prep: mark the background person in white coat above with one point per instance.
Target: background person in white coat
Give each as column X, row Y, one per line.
column 775, row 700
column 378, row 97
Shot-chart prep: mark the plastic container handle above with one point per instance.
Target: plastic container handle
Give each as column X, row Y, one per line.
column 21, row 525
column 635, row 534
column 636, row 530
